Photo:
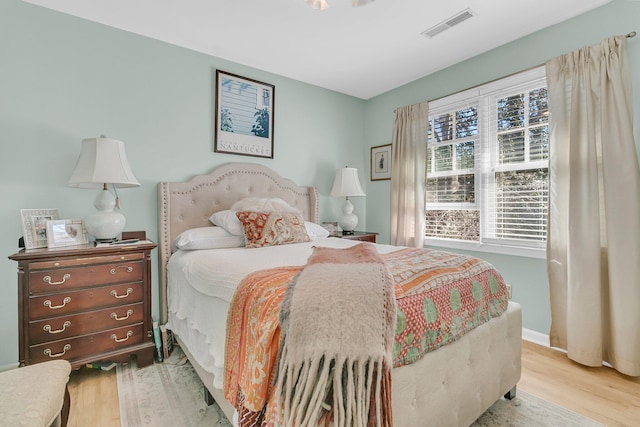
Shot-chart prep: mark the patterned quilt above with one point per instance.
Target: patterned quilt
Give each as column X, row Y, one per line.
column 440, row 296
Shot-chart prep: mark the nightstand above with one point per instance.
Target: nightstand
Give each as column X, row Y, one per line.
column 85, row 303
column 365, row 236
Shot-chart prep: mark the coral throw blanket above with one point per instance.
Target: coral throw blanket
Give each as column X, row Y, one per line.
column 311, row 345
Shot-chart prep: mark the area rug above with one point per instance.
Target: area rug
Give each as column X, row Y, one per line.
column 531, row 411
column 170, row 394
column 167, row 394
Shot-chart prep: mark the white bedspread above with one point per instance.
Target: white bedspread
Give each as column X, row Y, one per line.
column 217, row 272
column 201, row 284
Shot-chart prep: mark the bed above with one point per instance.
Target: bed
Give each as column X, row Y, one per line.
column 450, row 386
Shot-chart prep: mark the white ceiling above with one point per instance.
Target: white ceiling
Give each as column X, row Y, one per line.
column 360, row 51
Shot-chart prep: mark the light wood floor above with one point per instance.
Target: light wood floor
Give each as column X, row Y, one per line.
column 600, row 393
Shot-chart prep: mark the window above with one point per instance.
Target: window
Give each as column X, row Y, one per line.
column 487, row 167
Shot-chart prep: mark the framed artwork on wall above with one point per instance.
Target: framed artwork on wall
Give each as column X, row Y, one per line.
column 244, row 116
column 381, row 162
column 66, row 232
column 34, row 226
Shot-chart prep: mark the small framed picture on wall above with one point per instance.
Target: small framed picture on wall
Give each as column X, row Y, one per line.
column 381, row 162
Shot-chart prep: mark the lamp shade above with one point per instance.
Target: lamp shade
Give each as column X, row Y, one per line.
column 102, row 161
column 346, row 183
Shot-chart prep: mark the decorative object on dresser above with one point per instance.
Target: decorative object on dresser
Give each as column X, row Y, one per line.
column 103, row 162
column 381, row 162
column 346, row 184
column 244, row 116
column 365, row 236
column 34, row 226
column 331, row 227
column 85, row 303
column 66, row 232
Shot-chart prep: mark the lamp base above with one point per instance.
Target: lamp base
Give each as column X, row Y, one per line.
column 348, row 220
column 105, row 225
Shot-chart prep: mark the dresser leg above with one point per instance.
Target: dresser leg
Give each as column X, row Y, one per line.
column 144, row 357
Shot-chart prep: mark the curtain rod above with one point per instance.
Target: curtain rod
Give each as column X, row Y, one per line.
column 628, row 35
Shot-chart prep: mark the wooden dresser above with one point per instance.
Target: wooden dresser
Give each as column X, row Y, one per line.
column 85, row 303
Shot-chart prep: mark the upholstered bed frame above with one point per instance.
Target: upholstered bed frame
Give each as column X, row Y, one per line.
column 451, row 386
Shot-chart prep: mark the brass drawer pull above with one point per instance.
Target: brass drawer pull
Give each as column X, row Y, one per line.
column 114, row 270
column 115, row 294
column 66, row 348
column 47, row 279
column 65, row 325
column 65, row 301
column 115, row 337
column 115, row 316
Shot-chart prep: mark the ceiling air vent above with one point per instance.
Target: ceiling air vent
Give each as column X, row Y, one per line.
column 448, row 23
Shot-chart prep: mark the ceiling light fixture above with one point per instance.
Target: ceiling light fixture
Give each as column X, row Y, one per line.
column 322, row 4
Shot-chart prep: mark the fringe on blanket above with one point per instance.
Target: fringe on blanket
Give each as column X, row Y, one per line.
column 342, row 393
column 337, row 320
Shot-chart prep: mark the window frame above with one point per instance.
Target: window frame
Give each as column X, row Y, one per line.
column 483, row 97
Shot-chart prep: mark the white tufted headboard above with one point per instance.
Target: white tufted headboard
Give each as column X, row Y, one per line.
column 184, row 205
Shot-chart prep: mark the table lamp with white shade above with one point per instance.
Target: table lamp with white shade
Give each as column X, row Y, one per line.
column 346, row 184
column 102, row 164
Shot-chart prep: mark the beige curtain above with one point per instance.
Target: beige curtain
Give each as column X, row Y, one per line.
column 593, row 242
column 408, row 158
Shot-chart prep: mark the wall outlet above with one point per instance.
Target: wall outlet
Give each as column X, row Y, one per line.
column 508, row 290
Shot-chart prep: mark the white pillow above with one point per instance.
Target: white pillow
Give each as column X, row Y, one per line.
column 315, row 230
column 261, row 204
column 207, row 238
column 228, row 220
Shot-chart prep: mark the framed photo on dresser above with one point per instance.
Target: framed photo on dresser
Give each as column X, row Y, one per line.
column 244, row 116
column 34, row 226
column 66, row 232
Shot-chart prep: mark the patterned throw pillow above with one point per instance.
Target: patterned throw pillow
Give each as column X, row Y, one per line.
column 272, row 228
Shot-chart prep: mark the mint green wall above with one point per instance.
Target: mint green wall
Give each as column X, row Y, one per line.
column 528, row 276
column 63, row 79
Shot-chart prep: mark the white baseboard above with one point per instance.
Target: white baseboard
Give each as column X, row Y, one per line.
column 9, row 366
column 535, row 337
column 543, row 339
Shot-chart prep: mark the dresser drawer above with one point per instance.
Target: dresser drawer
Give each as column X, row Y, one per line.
column 61, row 279
column 86, row 345
column 57, row 328
column 46, row 306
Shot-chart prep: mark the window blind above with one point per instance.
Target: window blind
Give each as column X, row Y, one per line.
column 487, row 163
